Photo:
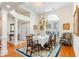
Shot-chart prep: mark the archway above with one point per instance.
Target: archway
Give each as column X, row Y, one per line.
column 53, row 25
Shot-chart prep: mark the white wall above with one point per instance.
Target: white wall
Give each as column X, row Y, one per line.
column 10, row 20
column 33, row 18
column 65, row 15
column 23, row 29
column 34, row 21
column 76, row 45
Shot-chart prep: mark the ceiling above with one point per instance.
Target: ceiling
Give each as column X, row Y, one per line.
column 22, row 11
column 38, row 7
column 41, row 7
column 9, row 5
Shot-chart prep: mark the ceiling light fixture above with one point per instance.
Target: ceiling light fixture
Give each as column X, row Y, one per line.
column 43, row 19
column 8, row 6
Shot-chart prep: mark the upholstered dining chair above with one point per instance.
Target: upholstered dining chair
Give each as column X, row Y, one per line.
column 48, row 44
column 51, row 42
column 32, row 46
column 53, row 39
column 66, row 38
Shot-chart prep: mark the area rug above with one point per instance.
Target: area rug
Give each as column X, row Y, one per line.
column 54, row 51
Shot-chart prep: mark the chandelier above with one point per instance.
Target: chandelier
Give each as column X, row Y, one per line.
column 43, row 21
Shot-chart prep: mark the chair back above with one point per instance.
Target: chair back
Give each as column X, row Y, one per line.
column 52, row 38
column 29, row 40
column 68, row 36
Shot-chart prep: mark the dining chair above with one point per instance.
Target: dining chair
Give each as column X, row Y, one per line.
column 66, row 38
column 53, row 39
column 51, row 42
column 32, row 46
column 48, row 44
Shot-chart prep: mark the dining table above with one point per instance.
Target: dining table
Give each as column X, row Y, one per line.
column 42, row 39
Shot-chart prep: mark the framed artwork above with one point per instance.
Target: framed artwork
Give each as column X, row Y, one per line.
column 66, row 26
column 35, row 27
column 12, row 28
column 41, row 27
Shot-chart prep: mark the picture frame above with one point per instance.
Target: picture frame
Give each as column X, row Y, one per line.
column 12, row 28
column 66, row 26
column 35, row 27
column 41, row 27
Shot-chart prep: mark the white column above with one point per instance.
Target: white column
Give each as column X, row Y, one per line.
column 4, row 33
column 16, row 32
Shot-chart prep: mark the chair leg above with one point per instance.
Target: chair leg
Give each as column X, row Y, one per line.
column 30, row 52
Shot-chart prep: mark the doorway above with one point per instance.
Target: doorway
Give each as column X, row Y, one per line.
column 24, row 29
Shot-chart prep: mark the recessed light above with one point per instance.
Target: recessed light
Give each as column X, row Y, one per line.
column 8, row 6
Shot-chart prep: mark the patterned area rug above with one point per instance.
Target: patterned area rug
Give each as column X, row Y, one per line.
column 44, row 53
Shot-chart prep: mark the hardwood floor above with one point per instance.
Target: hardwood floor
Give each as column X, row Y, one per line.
column 12, row 51
column 64, row 51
